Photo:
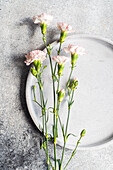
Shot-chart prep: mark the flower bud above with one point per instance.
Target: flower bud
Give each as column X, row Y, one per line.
column 61, row 95
column 37, row 65
column 63, row 36
column 43, row 28
column 74, row 58
column 34, row 72
column 83, row 133
column 74, row 84
column 60, row 69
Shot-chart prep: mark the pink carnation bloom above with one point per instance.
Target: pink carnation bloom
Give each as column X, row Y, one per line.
column 73, row 49
column 43, row 18
column 64, row 27
column 60, row 59
column 35, row 55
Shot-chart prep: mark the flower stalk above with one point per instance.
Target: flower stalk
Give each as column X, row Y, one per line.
column 54, row 96
column 59, row 48
column 68, row 83
column 44, row 121
column 67, row 123
column 74, row 152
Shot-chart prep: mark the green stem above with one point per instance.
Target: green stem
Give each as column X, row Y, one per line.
column 44, row 39
column 49, row 160
column 57, row 90
column 65, row 136
column 57, row 105
column 59, row 48
column 57, row 54
column 54, row 118
column 42, row 109
column 61, row 125
column 67, row 123
column 73, row 153
column 46, row 130
column 67, row 120
column 69, row 77
column 47, row 141
column 54, row 128
column 44, row 121
column 38, row 103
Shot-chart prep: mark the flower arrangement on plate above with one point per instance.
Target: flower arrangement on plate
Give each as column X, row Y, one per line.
column 36, row 57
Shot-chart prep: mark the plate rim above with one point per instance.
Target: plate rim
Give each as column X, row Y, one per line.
column 92, row 147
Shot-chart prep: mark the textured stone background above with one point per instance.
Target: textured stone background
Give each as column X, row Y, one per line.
column 19, row 138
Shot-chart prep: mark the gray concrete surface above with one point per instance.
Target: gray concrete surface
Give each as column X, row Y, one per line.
column 19, row 138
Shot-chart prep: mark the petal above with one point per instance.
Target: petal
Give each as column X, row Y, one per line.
column 66, row 49
column 43, row 18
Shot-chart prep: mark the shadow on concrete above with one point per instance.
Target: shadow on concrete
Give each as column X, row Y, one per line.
column 19, row 63
column 31, row 26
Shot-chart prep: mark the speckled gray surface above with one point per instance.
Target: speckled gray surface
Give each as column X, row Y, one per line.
column 19, row 138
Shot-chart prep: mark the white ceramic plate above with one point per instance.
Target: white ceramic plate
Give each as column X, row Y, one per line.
column 93, row 106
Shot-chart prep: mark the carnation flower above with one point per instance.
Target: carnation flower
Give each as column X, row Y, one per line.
column 64, row 27
column 73, row 49
column 43, row 18
column 34, row 56
column 60, row 59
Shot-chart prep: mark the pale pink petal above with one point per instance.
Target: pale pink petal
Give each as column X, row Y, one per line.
column 43, row 18
column 35, row 55
column 60, row 59
column 80, row 51
column 64, row 27
column 36, row 20
column 74, row 49
column 66, row 49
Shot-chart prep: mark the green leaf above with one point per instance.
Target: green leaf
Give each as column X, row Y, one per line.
column 47, row 116
column 34, row 87
column 70, row 104
column 50, row 108
column 71, row 134
column 45, row 103
column 63, row 129
column 55, row 77
column 38, row 104
column 43, row 69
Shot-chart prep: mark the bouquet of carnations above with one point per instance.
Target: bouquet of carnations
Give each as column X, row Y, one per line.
column 37, row 57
